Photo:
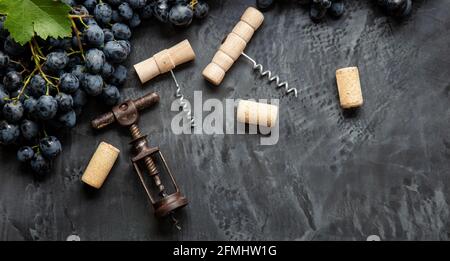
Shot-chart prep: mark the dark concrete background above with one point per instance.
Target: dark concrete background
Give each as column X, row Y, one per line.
column 332, row 175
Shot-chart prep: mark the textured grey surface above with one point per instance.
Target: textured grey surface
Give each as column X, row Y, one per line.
column 332, row 176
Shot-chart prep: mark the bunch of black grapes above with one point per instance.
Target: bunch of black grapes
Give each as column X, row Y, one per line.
column 44, row 84
column 179, row 12
column 335, row 8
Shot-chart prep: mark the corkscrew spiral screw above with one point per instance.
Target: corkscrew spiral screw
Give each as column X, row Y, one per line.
column 182, row 101
column 268, row 74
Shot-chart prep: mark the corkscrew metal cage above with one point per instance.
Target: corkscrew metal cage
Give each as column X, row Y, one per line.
column 126, row 114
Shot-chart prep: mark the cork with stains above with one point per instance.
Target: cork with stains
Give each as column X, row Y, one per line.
column 349, row 87
column 100, row 165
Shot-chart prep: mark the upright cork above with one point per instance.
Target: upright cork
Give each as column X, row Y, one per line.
column 256, row 113
column 164, row 61
column 233, row 46
column 100, row 165
column 349, row 87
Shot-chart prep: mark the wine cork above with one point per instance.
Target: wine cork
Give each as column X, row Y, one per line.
column 164, row 61
column 255, row 113
column 233, row 46
column 100, row 165
column 349, row 87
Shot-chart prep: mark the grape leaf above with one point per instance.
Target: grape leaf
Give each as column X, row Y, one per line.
column 45, row 18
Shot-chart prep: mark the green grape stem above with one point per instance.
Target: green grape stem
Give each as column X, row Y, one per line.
column 25, row 84
column 79, row 16
column 35, row 50
column 73, row 52
column 24, row 69
column 77, row 34
column 39, row 51
column 193, row 3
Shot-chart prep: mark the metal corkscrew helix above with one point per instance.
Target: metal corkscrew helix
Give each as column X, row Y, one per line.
column 127, row 115
column 267, row 73
column 183, row 103
column 166, row 61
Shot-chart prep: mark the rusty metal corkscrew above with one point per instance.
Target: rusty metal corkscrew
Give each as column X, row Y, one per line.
column 126, row 114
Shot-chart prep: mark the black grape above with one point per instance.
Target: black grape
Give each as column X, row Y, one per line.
column 116, row 17
column 110, row 95
column 50, row 147
column 135, row 21
column 25, row 154
column 181, row 15
column 12, row 81
column 69, row 83
column 108, row 35
column 29, row 129
column 65, row 102
column 37, row 86
column 46, row 107
column 92, row 84
column 90, row 5
column 57, row 60
column 103, row 13
column 119, row 76
column 68, row 119
column 94, row 36
column 95, row 60
column 125, row 11
column 13, row 111
column 9, row 133
column 39, row 164
column 161, row 10
column 121, row 31
column 29, row 106
column 107, row 70
column 78, row 71
column 115, row 52
column 337, row 9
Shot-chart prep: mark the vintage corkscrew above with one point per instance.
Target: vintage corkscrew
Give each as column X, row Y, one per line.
column 126, row 114
column 165, row 61
column 233, row 47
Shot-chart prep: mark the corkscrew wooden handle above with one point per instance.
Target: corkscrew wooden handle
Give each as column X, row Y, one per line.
column 164, row 61
column 233, row 46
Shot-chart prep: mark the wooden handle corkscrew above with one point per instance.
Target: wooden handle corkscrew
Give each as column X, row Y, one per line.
column 233, row 46
column 164, row 61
